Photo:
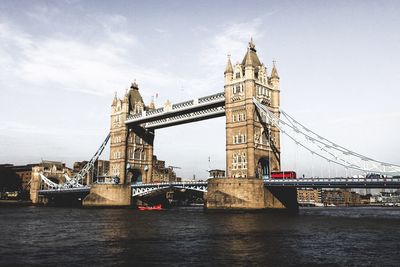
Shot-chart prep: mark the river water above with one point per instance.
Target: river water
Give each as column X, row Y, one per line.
column 191, row 237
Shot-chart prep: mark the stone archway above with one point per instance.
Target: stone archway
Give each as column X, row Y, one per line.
column 134, row 176
column 263, row 168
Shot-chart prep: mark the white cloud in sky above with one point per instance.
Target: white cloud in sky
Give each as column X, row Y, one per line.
column 63, row 62
column 232, row 36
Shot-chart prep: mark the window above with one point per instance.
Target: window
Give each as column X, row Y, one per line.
column 137, row 154
column 239, row 139
column 237, row 75
column 238, row 88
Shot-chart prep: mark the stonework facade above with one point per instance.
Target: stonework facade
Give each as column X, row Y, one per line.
column 252, row 148
column 131, row 150
column 309, row 195
column 54, row 170
column 161, row 173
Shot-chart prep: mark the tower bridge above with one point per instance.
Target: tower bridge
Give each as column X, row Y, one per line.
column 254, row 122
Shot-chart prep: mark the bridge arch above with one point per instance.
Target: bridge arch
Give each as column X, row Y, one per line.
column 263, row 168
column 146, row 189
column 134, row 175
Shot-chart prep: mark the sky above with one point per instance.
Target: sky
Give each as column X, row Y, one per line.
column 63, row 61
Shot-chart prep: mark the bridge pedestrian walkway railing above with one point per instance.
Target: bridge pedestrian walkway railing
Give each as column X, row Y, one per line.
column 143, row 189
column 179, row 108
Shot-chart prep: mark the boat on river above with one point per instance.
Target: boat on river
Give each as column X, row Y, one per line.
column 155, row 207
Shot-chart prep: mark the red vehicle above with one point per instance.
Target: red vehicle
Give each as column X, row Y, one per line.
column 283, row 175
column 156, row 207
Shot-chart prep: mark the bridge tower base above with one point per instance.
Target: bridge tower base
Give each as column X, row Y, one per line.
column 108, row 195
column 248, row 194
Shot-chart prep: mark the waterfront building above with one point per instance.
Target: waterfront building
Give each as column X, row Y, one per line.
column 24, row 172
column 161, row 173
column 340, row 197
column 390, row 198
column 309, row 196
column 54, row 170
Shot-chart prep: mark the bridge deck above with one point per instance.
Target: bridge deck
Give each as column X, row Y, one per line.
column 64, row 191
column 189, row 111
column 334, row 183
column 140, row 189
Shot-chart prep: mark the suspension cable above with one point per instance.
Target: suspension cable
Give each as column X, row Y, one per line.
column 345, row 157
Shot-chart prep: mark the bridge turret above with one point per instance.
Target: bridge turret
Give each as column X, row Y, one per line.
column 252, row 146
column 228, row 71
column 114, row 103
column 131, row 148
column 274, row 80
column 249, row 152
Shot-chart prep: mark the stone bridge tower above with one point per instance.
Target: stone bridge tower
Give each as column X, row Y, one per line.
column 131, row 150
column 252, row 149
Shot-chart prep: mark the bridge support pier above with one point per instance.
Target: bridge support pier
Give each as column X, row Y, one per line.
column 35, row 186
column 247, row 194
column 108, row 195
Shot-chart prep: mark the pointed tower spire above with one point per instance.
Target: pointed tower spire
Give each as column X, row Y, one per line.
column 115, row 99
column 248, row 61
column 252, row 46
column 229, row 68
column 152, row 105
column 135, row 85
column 274, row 72
column 251, row 58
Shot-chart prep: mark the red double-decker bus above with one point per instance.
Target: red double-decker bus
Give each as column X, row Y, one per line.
column 283, row 175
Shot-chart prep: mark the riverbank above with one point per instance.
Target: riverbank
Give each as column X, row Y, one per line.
column 8, row 202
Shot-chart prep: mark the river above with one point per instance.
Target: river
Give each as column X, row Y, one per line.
column 191, row 237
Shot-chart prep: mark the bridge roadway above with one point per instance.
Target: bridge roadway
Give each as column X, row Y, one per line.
column 143, row 189
column 202, row 108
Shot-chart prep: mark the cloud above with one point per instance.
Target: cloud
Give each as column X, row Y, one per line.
column 235, row 36
column 43, row 13
column 68, row 63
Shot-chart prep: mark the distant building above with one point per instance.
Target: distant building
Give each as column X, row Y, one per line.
column 161, row 173
column 390, row 198
column 101, row 168
column 309, row 196
column 365, row 199
column 340, row 197
column 54, row 170
column 24, row 172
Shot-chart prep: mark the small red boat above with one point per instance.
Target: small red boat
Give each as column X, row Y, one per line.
column 155, row 207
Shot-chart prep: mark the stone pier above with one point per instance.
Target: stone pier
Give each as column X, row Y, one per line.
column 108, row 195
column 247, row 194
